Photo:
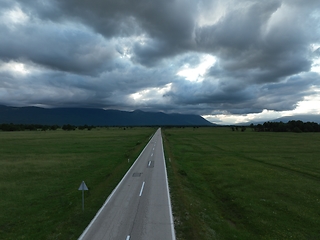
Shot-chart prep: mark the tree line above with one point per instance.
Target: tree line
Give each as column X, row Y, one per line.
column 291, row 126
column 39, row 127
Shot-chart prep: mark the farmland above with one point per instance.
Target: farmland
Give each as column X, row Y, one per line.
column 41, row 171
column 224, row 184
column 244, row 185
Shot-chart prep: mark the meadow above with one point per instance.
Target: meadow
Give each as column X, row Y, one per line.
column 223, row 184
column 41, row 171
column 243, row 185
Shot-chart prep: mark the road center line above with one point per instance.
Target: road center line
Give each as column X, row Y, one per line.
column 151, row 154
column 141, row 189
column 149, row 163
column 128, row 237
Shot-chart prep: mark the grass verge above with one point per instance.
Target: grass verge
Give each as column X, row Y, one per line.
column 243, row 185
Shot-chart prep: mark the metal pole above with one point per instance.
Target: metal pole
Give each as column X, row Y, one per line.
column 83, row 187
column 82, row 199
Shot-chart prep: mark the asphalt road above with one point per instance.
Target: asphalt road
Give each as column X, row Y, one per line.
column 139, row 208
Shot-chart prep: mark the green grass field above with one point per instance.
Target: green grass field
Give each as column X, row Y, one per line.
column 40, row 173
column 223, row 184
column 244, row 185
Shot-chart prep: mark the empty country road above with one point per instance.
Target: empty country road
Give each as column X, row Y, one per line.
column 139, row 208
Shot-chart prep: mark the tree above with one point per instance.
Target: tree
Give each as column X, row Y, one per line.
column 68, row 127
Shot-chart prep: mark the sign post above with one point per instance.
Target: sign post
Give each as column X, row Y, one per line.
column 83, row 187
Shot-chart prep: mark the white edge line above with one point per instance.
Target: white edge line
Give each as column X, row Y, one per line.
column 110, row 196
column 169, row 201
column 141, row 189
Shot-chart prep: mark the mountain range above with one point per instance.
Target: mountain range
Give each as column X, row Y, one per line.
column 304, row 118
column 301, row 117
column 96, row 117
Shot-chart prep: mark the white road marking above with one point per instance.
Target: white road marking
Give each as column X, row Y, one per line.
column 128, row 237
column 151, row 154
column 141, row 189
column 149, row 163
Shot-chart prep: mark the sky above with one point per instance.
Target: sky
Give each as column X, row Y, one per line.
column 229, row 61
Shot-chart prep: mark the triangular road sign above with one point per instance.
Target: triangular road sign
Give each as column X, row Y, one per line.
column 83, row 186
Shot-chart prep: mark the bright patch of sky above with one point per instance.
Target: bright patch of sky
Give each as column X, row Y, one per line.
column 14, row 16
column 226, row 119
column 14, row 68
column 150, row 94
column 315, row 67
column 196, row 73
column 309, row 105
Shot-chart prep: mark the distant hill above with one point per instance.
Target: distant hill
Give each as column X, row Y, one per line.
column 303, row 117
column 96, row 117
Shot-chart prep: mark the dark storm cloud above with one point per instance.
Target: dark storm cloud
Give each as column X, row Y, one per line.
column 54, row 88
column 168, row 25
column 63, row 48
column 100, row 53
column 251, row 47
column 240, row 99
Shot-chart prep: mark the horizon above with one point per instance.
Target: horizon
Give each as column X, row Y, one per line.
column 295, row 117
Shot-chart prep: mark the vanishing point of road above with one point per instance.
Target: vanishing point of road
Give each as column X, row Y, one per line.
column 139, row 208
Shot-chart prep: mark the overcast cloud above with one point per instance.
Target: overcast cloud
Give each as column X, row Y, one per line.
column 208, row 57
